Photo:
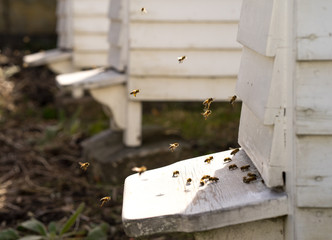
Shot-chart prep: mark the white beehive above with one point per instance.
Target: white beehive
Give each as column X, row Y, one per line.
column 64, row 13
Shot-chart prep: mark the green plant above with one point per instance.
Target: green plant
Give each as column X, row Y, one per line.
column 36, row 230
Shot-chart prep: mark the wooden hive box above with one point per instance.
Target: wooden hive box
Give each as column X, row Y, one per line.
column 64, row 24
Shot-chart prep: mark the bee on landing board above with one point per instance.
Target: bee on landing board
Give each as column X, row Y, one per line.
column 208, row 159
column 235, row 150
column 207, row 103
column 189, row 181
column 104, row 200
column 181, row 59
column 173, row 146
column 205, row 177
column 140, row 170
column 251, row 175
column 213, row 179
column 206, row 113
column 201, row 183
column 84, row 166
column 245, row 168
column 134, row 92
column 176, row 173
column 232, row 100
column 227, row 160
column 232, row 167
column 249, row 179
column 143, row 10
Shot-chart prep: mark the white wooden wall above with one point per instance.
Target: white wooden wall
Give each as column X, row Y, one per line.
column 205, row 32
column 64, row 24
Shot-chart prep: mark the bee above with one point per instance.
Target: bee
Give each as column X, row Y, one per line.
column 213, row 179
column 104, row 200
column 235, row 150
column 232, row 100
column 227, row 160
column 181, row 59
column 189, row 181
column 143, row 10
column 232, row 167
column 176, row 173
column 201, row 183
column 206, row 113
column 207, row 103
column 173, row 146
column 134, row 92
column 140, row 170
column 84, row 166
column 249, row 179
column 251, row 175
column 245, row 168
column 205, row 177
column 208, row 159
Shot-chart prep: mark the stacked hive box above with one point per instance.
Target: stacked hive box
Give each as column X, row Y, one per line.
column 64, row 24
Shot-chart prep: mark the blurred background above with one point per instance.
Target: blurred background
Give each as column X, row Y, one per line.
column 41, row 131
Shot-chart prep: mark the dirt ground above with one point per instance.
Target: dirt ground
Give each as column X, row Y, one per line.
column 40, row 150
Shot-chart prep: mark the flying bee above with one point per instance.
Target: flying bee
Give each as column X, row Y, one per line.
column 140, row 170
column 207, row 103
column 104, row 200
column 245, row 168
column 235, row 150
column 232, row 100
column 176, row 173
column 201, row 183
column 213, row 179
column 84, row 166
column 173, row 146
column 143, row 10
column 249, row 179
column 251, row 175
column 134, row 92
column 188, row 181
column 205, row 177
column 227, row 160
column 232, row 167
column 208, row 159
column 181, row 59
column 206, row 113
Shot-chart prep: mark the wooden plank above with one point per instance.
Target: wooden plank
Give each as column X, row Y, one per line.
column 313, row 224
column 168, row 204
column 182, row 89
column 186, row 10
column 313, row 170
column 95, row 25
column 313, row 104
column 261, row 25
column 264, row 144
column 90, row 59
column 314, row 31
column 45, row 57
column 198, row 63
column 258, row 230
column 91, row 42
column 183, row 35
column 91, row 7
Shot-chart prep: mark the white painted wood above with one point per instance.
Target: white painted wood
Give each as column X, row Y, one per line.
column 62, row 67
column 314, row 31
column 183, row 35
column 314, row 176
column 91, row 43
column 182, row 89
column 186, row 10
column 258, row 230
column 167, row 204
column 313, row 105
column 91, row 7
column 64, row 24
column 264, row 144
column 133, row 131
column 198, row 63
column 313, row 224
column 90, row 59
column 96, row 25
column 260, row 26
column 45, row 57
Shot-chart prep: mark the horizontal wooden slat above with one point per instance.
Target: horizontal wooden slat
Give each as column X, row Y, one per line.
column 90, row 59
column 182, row 89
column 183, row 35
column 313, row 224
column 91, row 42
column 313, row 171
column 117, row 57
column 313, row 104
column 185, row 10
column 91, row 25
column 314, row 31
column 198, row 63
column 91, row 7
column 264, row 146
